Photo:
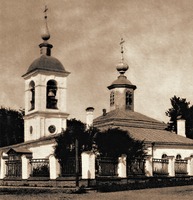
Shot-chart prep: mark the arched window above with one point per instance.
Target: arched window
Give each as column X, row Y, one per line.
column 178, row 157
column 164, row 155
column 128, row 99
column 32, row 95
column 112, row 98
column 51, row 101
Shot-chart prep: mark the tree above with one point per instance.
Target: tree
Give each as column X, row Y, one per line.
column 11, row 126
column 180, row 109
column 115, row 142
column 65, row 142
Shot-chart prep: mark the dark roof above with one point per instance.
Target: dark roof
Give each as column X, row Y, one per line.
column 46, row 63
column 122, row 81
column 19, row 150
column 141, row 127
column 158, row 136
column 128, row 118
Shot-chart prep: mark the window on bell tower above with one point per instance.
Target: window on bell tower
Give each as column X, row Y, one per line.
column 129, row 99
column 112, row 98
column 32, row 95
column 51, row 101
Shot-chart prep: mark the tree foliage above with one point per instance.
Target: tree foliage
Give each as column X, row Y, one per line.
column 65, row 142
column 180, row 109
column 114, row 142
column 11, row 126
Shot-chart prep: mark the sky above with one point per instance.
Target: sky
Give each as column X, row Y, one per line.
column 85, row 34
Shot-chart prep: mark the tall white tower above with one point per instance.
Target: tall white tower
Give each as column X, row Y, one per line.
column 45, row 93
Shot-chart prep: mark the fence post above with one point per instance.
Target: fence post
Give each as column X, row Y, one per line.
column 149, row 165
column 190, row 165
column 88, row 165
column 4, row 157
column 122, row 166
column 54, row 167
column 171, row 165
column 26, row 168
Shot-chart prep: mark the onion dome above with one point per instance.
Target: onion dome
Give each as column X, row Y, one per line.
column 122, row 67
column 46, row 62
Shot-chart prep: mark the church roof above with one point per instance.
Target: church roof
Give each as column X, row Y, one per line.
column 20, row 150
column 46, row 63
column 140, row 127
column 122, row 117
column 158, row 136
column 122, row 81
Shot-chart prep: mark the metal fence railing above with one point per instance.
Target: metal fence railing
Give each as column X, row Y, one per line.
column 40, row 168
column 160, row 166
column 106, row 166
column 136, row 167
column 181, row 167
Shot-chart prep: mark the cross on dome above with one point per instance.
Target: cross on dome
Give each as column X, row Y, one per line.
column 45, row 34
column 121, row 43
column 122, row 67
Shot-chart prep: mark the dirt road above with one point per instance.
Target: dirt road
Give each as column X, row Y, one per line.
column 177, row 193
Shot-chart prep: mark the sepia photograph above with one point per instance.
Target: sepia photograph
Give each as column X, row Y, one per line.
column 96, row 99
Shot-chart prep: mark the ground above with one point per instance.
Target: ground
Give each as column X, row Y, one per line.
column 177, row 193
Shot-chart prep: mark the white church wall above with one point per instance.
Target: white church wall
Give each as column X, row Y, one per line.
column 172, row 151
column 59, row 123
column 42, row 151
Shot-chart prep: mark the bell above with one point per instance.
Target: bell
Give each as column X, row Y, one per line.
column 51, row 93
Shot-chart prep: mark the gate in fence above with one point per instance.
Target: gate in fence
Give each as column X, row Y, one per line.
column 13, row 168
column 69, row 167
column 13, row 164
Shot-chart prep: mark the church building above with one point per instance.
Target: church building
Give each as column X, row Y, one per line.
column 159, row 142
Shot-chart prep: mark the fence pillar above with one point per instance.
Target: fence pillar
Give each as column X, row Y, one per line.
column 189, row 165
column 26, row 167
column 54, row 167
column 122, row 166
column 148, row 166
column 4, row 157
column 171, row 165
column 88, row 165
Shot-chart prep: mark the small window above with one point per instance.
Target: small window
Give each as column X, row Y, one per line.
column 32, row 95
column 112, row 99
column 164, row 156
column 178, row 157
column 51, row 95
column 128, row 99
column 31, row 129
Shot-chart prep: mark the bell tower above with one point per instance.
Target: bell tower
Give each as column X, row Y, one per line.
column 122, row 90
column 45, row 93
